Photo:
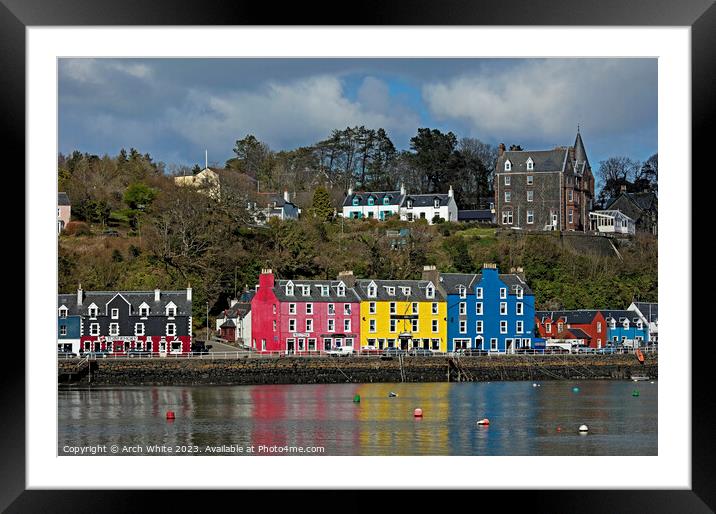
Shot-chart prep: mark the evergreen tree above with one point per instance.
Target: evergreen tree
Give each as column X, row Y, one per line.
column 322, row 207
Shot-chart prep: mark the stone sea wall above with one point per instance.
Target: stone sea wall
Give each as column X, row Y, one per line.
column 296, row 370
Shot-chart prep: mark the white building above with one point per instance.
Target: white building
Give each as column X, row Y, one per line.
column 410, row 207
column 235, row 322
column 611, row 222
column 649, row 314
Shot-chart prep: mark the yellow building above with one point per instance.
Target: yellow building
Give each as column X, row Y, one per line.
column 206, row 180
column 405, row 314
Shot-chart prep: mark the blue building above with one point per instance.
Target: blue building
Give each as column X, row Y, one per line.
column 488, row 310
column 68, row 323
column 625, row 328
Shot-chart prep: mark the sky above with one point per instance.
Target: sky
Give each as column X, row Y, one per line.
column 175, row 109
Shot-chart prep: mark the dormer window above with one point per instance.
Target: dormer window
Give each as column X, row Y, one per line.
column 508, row 180
column 503, row 292
column 519, row 291
column 613, row 324
column 626, row 324
column 63, row 312
column 409, row 204
column 530, row 164
column 289, row 289
column 115, row 313
column 341, row 290
column 372, row 291
column 462, row 290
column 386, row 200
column 391, row 290
column 405, row 290
column 508, row 167
column 639, row 325
column 430, row 291
column 371, row 200
column 171, row 310
column 92, row 311
column 436, row 203
column 356, row 200
column 144, row 310
column 324, row 290
column 305, row 290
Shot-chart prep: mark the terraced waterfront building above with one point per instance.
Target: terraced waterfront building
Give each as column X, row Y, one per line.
column 405, row 314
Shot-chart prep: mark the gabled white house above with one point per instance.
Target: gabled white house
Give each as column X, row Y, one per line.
column 428, row 206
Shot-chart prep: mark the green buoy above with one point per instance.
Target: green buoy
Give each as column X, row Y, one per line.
column 575, row 389
column 356, row 399
column 635, row 392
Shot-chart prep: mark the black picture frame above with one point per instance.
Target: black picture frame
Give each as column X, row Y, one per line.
column 700, row 15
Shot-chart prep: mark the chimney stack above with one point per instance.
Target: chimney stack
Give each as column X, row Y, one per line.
column 500, row 149
column 188, row 293
column 402, row 189
column 347, row 277
column 450, row 192
column 80, row 294
column 285, row 196
column 156, row 295
column 623, row 188
column 350, row 190
column 266, row 279
column 432, row 274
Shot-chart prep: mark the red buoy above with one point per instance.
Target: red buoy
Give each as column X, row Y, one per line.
column 559, row 429
column 484, row 421
column 418, row 413
column 170, row 414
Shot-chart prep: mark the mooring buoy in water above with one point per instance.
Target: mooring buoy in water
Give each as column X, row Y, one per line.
column 170, row 414
column 483, row 422
column 418, row 413
column 575, row 389
column 635, row 392
column 356, row 399
column 583, row 429
column 534, row 385
column 392, row 394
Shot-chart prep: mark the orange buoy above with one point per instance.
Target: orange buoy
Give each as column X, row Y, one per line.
column 170, row 414
column 484, row 422
column 418, row 413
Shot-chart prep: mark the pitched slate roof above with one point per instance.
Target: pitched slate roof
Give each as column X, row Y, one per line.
column 512, row 281
column 580, row 317
column 620, row 315
column 478, row 215
column 544, row 160
column 642, row 201
column 314, row 291
column 649, row 310
column 451, row 282
column 229, row 323
column 69, row 301
column 237, row 310
column 578, row 333
column 580, row 154
column 426, row 200
column 417, row 291
column 394, row 198
column 63, row 199
column 135, row 299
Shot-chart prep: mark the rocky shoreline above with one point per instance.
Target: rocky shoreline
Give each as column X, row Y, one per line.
column 328, row 370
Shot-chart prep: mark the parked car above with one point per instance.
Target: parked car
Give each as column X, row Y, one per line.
column 97, row 355
column 340, row 351
column 420, row 351
column 138, row 353
column 586, row 349
column 393, row 351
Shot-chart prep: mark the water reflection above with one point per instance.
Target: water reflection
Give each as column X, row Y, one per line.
column 523, row 418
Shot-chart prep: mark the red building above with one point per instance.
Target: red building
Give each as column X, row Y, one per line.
column 295, row 316
column 588, row 325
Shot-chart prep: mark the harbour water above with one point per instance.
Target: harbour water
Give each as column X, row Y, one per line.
column 324, row 419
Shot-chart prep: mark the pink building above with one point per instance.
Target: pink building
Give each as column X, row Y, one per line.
column 64, row 210
column 296, row 316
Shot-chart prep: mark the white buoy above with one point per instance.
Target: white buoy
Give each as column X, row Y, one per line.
column 534, row 385
column 652, row 381
column 583, row 428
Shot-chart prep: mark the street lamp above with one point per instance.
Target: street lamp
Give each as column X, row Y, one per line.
column 207, row 322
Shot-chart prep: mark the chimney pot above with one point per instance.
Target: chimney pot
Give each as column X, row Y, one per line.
column 500, row 149
column 157, row 294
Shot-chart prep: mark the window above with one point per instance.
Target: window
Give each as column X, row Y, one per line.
column 613, row 324
column 341, row 290
column 311, row 345
column 139, row 329
column 331, row 325
column 415, row 307
column 292, row 308
column 508, row 196
column 114, row 329
column 309, row 308
column 493, row 343
column 530, row 217
column 503, row 308
column 305, row 290
column 530, row 179
column 478, row 293
column 508, row 180
column 371, row 200
column 63, row 312
column 331, row 309
column 530, row 164
column 530, row 196
column 171, row 329
column 503, row 327
column 356, row 201
column 520, row 292
column 520, row 327
column 347, row 325
column 348, row 341
column 463, row 291
column 410, row 204
column 570, row 195
column 405, row 291
column 391, row 290
column 519, row 308
column 462, row 308
column 626, row 324
column 507, row 217
column 94, row 329
column 371, row 325
column 508, row 166
column 503, row 292
column 463, row 326
column 93, row 311
column 571, row 215
column 144, row 311
column 434, row 308
column 435, row 326
column 292, row 325
column 430, row 291
column 372, row 291
column 478, row 326
column 548, row 327
column 599, row 327
column 436, row 203
column 273, row 308
column 414, row 325
column 115, row 313
column 393, row 325
column 274, row 325
column 263, row 345
column 478, row 308
column 560, row 326
column 63, row 330
column 386, row 201
column 289, row 289
column 347, row 309
column 393, row 307
column 324, row 290
column 309, row 325
column 171, row 311
column 371, row 308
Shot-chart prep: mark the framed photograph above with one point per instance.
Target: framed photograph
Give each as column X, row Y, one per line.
column 415, row 244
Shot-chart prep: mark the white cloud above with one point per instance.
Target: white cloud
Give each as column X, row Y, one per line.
column 548, row 97
column 101, row 71
column 287, row 114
